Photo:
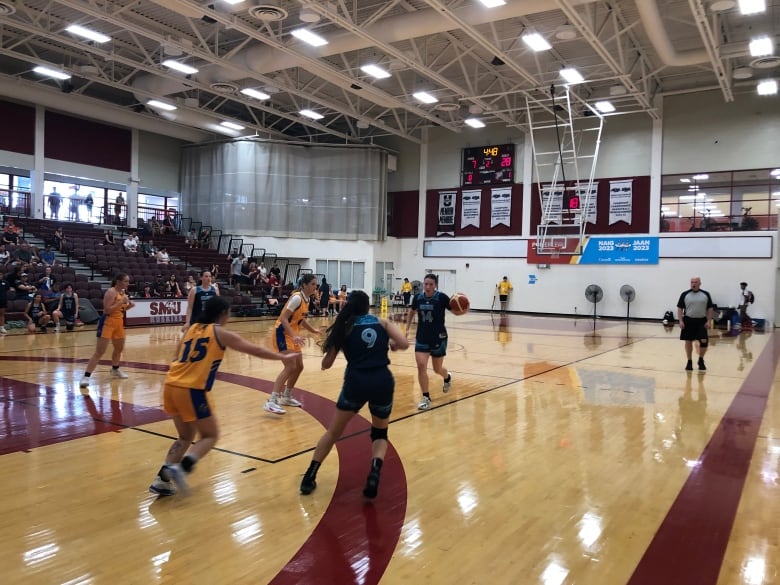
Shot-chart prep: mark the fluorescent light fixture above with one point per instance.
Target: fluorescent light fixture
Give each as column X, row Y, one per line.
column 775, row 173
column 537, row 42
column 474, row 122
column 571, row 75
column 761, row 46
column 49, row 72
column 375, row 71
column 768, row 87
column 161, row 105
column 311, row 114
column 604, row 107
column 752, row 6
column 231, row 125
column 693, row 188
column 702, row 177
column 87, row 34
column 232, row 1
column 685, row 180
column 425, row 97
column 493, row 3
column 670, row 213
column 253, row 93
column 173, row 64
column 309, row 37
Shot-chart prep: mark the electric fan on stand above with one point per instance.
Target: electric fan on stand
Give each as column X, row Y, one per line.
column 593, row 294
column 628, row 294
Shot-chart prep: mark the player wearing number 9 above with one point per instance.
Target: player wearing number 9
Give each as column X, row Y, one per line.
column 364, row 339
column 186, row 391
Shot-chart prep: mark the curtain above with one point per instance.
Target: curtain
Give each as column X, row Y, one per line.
column 292, row 191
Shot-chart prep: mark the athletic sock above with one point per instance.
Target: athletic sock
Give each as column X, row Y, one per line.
column 87, row 374
column 188, row 463
column 163, row 473
column 427, row 394
column 314, row 467
column 448, row 379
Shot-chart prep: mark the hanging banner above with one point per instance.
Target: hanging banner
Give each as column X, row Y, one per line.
column 619, row 250
column 446, row 226
column 552, row 204
column 620, row 201
column 500, row 206
column 588, row 204
column 469, row 209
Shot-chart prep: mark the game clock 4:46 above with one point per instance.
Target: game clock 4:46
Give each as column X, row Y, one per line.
column 488, row 165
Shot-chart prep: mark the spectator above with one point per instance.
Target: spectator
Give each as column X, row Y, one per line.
column 158, row 286
column 54, row 203
column 167, row 225
column 189, row 284
column 235, row 268
column 154, row 226
column 5, row 257
column 36, row 314
column 275, row 286
column 131, row 243
column 10, row 232
column 119, row 203
column 172, row 288
column 214, row 272
column 108, row 238
column 58, row 239
column 147, row 294
column 191, row 239
column 263, row 272
column 88, row 203
column 73, row 208
column 277, row 271
column 48, row 256
column 205, row 238
column 67, row 309
column 745, row 298
column 24, row 287
column 46, row 282
column 5, row 286
column 25, row 256
column 163, row 257
column 148, row 249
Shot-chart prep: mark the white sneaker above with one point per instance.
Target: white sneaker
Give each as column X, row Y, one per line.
column 117, row 373
column 179, row 477
column 287, row 399
column 447, row 384
column 84, row 382
column 425, row 404
column 56, row 329
column 162, row 488
column 3, row 331
column 272, row 407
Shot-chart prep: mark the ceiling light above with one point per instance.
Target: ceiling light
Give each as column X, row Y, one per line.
column 172, row 64
column 537, row 42
column 375, row 71
column 605, row 107
column 231, row 125
column 685, row 180
column 474, row 122
column 493, row 3
column 752, row 6
column 768, row 87
column 232, row 1
column 49, row 72
column 721, row 5
column 309, row 37
column 308, row 15
column 425, row 97
column 761, row 46
column 702, row 177
column 742, row 73
column 311, row 114
column 88, row 34
column 775, row 173
column 571, row 75
column 253, row 93
column 161, row 105
column 566, row 32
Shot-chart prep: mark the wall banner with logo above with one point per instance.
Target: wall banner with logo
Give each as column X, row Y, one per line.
column 446, row 224
column 621, row 199
column 500, row 206
column 469, row 210
column 588, row 204
column 552, row 204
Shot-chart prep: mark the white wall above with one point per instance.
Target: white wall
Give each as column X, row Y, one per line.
column 703, row 133
column 407, row 177
column 159, row 158
column 16, row 160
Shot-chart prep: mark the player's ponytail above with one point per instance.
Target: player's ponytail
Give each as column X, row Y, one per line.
column 357, row 306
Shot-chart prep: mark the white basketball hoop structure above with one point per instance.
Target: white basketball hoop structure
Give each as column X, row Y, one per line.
column 559, row 158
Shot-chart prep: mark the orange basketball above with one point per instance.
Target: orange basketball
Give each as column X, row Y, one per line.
column 459, row 304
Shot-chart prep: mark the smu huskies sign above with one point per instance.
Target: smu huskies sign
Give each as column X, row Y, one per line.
column 154, row 311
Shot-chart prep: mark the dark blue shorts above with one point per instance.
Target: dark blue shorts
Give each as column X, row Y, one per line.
column 438, row 350
column 374, row 386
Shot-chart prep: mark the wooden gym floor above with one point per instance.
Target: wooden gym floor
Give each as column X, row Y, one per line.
column 562, row 455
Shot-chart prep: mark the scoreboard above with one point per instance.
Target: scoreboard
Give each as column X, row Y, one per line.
column 488, row 165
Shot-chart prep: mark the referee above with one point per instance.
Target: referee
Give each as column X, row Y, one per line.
column 694, row 312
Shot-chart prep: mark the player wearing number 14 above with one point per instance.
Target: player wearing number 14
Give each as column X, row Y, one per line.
column 186, row 389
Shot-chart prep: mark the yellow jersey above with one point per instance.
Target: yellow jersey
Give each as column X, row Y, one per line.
column 504, row 287
column 298, row 314
column 197, row 359
column 119, row 315
column 406, row 287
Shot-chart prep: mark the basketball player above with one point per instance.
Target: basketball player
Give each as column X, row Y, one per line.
column 364, row 339
column 111, row 327
column 286, row 337
column 431, row 339
column 186, row 391
column 67, row 309
column 198, row 297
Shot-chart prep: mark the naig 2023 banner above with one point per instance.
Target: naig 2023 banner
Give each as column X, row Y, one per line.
column 618, row 250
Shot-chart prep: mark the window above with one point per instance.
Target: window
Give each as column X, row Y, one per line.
column 339, row 272
column 728, row 201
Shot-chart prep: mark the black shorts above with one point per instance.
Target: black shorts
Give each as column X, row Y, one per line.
column 695, row 328
column 374, row 386
column 3, row 303
column 503, row 298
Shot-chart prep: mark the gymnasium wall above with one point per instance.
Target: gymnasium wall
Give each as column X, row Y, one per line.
column 159, row 158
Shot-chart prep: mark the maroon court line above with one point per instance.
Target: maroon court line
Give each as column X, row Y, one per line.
column 691, row 542
column 354, row 540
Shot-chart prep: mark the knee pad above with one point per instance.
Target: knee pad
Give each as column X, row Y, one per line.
column 704, row 342
column 377, row 434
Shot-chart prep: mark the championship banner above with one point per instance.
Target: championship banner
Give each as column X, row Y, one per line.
column 500, row 206
column 588, row 204
column 446, row 225
column 619, row 250
column 552, row 205
column 469, row 210
column 620, row 201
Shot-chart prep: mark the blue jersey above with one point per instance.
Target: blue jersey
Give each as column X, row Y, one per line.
column 367, row 344
column 68, row 307
column 430, row 317
column 202, row 295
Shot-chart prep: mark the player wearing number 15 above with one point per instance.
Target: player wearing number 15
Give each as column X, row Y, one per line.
column 364, row 339
column 186, row 391
column 431, row 339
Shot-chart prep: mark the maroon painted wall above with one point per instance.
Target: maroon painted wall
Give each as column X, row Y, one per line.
column 484, row 229
column 18, row 128
column 402, row 211
column 86, row 142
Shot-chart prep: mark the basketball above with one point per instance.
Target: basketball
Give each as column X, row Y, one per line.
column 459, row 304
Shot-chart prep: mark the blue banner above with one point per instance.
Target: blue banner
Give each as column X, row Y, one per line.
column 619, row 250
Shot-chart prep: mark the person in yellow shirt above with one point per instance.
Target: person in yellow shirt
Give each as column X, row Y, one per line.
column 406, row 291
column 186, row 391
column 504, row 288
